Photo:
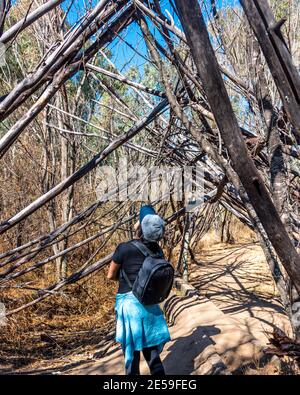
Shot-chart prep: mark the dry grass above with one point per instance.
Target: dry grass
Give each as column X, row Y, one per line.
column 275, row 367
column 233, row 232
column 73, row 322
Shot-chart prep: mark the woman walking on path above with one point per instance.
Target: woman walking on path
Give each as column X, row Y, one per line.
column 139, row 327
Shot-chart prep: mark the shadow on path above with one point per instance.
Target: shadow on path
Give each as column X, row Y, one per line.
column 182, row 353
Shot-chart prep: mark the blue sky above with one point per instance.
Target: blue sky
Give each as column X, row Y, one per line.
column 122, row 54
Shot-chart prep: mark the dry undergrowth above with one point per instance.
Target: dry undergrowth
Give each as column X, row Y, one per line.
column 73, row 323
column 276, row 367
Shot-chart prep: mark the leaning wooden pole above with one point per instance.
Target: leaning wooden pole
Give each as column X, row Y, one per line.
column 277, row 54
column 28, row 20
column 3, row 7
column 85, row 169
column 203, row 54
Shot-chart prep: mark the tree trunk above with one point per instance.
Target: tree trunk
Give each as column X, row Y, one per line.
column 3, row 5
column 277, row 55
column 65, row 196
column 207, row 66
column 278, row 177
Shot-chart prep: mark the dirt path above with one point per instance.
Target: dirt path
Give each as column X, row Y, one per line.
column 217, row 330
column 237, row 279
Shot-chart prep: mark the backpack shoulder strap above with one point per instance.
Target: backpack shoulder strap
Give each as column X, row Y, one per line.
column 145, row 250
column 141, row 246
column 126, row 278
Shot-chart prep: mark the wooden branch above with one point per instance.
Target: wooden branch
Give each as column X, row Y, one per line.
column 7, row 276
column 276, row 26
column 206, row 63
column 277, row 55
column 69, row 51
column 76, row 276
column 46, row 242
column 201, row 139
column 107, row 138
column 59, row 188
column 46, row 239
column 291, row 152
column 209, row 115
column 80, row 273
column 60, row 78
column 175, row 30
column 220, row 190
column 28, row 20
column 4, row 7
column 126, row 80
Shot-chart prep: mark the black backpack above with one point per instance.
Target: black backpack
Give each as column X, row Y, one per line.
column 154, row 281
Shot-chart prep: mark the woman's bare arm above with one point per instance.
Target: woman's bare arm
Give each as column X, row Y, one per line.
column 137, row 229
column 113, row 271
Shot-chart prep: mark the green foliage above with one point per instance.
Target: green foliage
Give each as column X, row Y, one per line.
column 151, row 77
column 280, row 8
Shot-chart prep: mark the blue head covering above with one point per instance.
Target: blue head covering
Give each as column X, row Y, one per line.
column 145, row 210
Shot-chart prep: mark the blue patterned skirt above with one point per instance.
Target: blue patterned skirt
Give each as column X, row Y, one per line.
column 139, row 326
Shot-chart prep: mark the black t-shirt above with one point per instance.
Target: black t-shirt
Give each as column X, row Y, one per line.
column 131, row 259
